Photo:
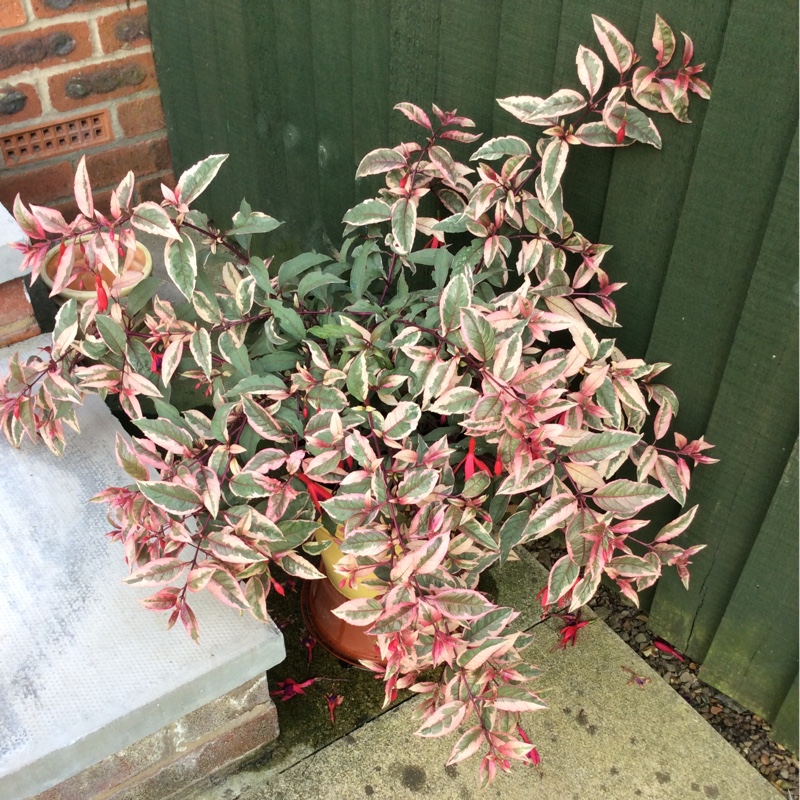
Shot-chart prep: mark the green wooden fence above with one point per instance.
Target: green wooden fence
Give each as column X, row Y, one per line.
column 705, row 232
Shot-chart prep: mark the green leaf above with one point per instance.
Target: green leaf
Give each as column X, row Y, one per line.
column 563, row 575
column 315, row 280
column 341, row 507
column 359, row 611
column 180, row 258
column 456, row 295
column 663, row 42
column 554, row 161
column 478, row 334
column 294, row 267
column 444, row 720
column 112, row 333
column 151, row 218
column 262, row 422
column 165, row 434
column 378, row 161
column 627, row 497
column 365, row 542
column 219, row 425
column 523, row 107
column 259, row 269
column 511, row 533
column 590, row 69
column 459, row 400
column 254, row 222
column 235, row 354
column 401, row 421
column 358, row 377
column 501, row 146
column 157, row 571
column 289, row 321
column 491, row 624
column 476, row 485
column 200, row 345
column 461, row 603
column 618, row 49
column 551, row 109
column 369, row 212
column 128, row 460
column 597, row 134
column 196, row 179
column 141, row 294
column 466, row 746
column 596, row 447
column 416, row 485
column 404, row 224
column 171, row 497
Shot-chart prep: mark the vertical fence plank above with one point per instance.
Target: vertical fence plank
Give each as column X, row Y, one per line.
column 754, row 429
column 584, row 198
column 754, row 653
column 784, row 728
column 468, row 59
column 709, row 250
column 647, row 188
column 741, row 155
column 526, row 55
column 333, row 105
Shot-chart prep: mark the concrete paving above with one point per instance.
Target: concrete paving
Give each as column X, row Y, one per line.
column 601, row 737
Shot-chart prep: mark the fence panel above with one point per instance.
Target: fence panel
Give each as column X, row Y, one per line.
column 705, row 232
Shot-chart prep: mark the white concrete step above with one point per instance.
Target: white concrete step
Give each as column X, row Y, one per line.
column 85, row 670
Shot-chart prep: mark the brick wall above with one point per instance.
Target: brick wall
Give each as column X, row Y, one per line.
column 77, row 78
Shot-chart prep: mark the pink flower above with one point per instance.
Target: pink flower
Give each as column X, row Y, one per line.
column 291, row 688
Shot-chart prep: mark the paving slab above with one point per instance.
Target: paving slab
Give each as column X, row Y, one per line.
column 85, row 670
column 601, row 737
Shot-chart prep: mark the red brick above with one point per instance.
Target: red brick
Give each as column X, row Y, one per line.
column 69, row 208
column 143, row 115
column 58, row 83
column 31, row 110
column 17, row 321
column 28, row 49
column 42, row 9
column 12, row 15
column 150, row 188
column 144, row 158
column 124, row 29
column 40, row 185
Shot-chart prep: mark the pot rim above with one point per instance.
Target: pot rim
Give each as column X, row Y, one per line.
column 85, row 294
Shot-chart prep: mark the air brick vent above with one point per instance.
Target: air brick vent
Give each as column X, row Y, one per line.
column 35, row 144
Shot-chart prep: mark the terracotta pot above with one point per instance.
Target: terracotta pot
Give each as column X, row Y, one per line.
column 319, row 598
column 78, row 288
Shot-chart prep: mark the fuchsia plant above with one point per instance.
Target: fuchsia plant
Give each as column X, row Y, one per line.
column 440, row 421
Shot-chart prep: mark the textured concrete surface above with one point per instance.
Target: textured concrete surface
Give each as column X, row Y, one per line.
column 86, row 670
column 601, row 737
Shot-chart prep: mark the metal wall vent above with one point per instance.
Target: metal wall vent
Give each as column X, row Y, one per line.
column 33, row 144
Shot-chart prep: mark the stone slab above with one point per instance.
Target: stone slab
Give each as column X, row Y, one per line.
column 214, row 738
column 86, row 671
column 9, row 259
column 600, row 737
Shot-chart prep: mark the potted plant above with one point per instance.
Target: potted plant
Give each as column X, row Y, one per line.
column 441, row 389
column 89, row 261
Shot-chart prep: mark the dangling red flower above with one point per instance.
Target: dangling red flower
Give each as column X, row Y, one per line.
column 471, row 463
column 102, row 296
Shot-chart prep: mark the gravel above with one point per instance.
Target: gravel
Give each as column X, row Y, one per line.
column 747, row 732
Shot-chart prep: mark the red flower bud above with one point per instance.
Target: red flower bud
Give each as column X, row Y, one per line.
column 102, row 296
column 621, row 131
